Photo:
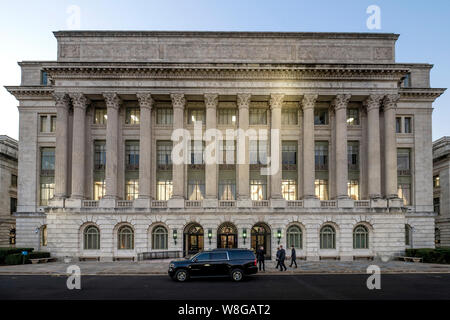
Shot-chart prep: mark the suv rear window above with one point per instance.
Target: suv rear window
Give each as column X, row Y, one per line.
column 241, row 255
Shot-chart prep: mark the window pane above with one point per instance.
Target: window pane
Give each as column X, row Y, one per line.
column 164, row 116
column 321, row 189
column 353, row 189
column 164, row 189
column 352, row 116
column 227, row 116
column 52, row 123
column 132, row 189
column 289, row 116
column 258, row 116
column 320, row 116
column 133, row 115
column 289, row 189
column 100, row 116
column 398, row 125
column 44, row 123
column 407, row 125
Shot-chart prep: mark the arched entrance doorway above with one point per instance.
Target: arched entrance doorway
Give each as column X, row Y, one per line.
column 227, row 236
column 261, row 237
column 193, row 239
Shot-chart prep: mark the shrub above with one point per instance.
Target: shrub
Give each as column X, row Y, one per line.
column 438, row 255
column 17, row 258
column 7, row 251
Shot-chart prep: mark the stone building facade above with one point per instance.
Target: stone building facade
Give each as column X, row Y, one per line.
column 441, row 190
column 351, row 129
column 8, row 190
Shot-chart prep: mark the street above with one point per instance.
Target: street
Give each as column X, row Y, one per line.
column 259, row 287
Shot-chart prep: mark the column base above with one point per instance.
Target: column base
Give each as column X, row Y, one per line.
column 395, row 203
column 210, row 203
column 378, row 203
column 73, row 203
column 58, row 202
column 311, row 203
column 278, row 203
column 107, row 203
column 345, row 203
column 244, row 203
column 142, row 203
column 175, row 203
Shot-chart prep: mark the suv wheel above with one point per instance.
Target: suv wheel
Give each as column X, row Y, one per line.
column 237, row 275
column 181, row 275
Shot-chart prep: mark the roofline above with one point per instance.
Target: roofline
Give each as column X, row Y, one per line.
column 229, row 34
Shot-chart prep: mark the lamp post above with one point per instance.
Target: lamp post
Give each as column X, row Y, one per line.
column 244, row 234
column 175, row 235
column 279, row 235
column 209, row 235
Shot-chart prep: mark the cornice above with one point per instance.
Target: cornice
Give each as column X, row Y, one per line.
column 30, row 92
column 420, row 94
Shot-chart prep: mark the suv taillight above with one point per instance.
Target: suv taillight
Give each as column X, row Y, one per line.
column 255, row 263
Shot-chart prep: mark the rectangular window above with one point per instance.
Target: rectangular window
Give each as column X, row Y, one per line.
column 289, row 152
column 12, row 205
column 353, row 116
column 227, row 152
column 164, row 116
column 437, row 205
column 100, row 116
column 321, row 189
column 196, row 189
column 99, row 189
column 227, row 189
column 289, row 116
column 436, row 182
column 258, row 189
column 407, row 80
column 403, row 162
column 132, row 155
column 44, row 78
column 404, row 193
column 196, row 151
column 53, row 124
column 165, row 189
column 44, row 123
column 47, row 161
column 132, row 116
column 99, row 155
column 47, row 173
column 289, row 189
column 196, row 115
column 321, row 155
column 46, row 190
column 398, row 125
column 258, row 116
column 258, row 152
column 353, row 155
column 132, row 189
column 164, row 153
column 408, row 125
column 353, row 189
column 227, row 116
column 320, row 116
column 13, row 181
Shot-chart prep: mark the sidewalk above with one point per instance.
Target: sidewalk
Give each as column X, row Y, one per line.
column 160, row 268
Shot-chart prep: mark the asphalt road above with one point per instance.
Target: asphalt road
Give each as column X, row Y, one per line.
column 259, row 287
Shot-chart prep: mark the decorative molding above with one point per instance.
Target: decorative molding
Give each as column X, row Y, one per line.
column 373, row 101
column 211, row 100
column 145, row 100
column 341, row 101
column 309, row 101
column 390, row 101
column 30, row 92
column 243, row 100
column 178, row 100
column 276, row 100
column 112, row 100
column 420, row 94
column 79, row 100
column 62, row 100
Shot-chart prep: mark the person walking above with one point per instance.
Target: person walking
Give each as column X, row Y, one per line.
column 260, row 258
column 293, row 257
column 278, row 258
column 281, row 259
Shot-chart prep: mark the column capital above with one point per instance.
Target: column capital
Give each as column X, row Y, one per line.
column 340, row 101
column 309, row 101
column 79, row 100
column 178, row 100
column 276, row 100
column 390, row 101
column 211, row 100
column 373, row 101
column 62, row 100
column 145, row 100
column 243, row 100
column 112, row 100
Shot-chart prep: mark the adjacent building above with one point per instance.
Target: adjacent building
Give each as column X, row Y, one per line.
column 441, row 188
column 8, row 190
column 348, row 128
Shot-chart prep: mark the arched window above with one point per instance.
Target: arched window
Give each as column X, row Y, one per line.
column 407, row 234
column 294, row 237
column 125, row 238
column 159, row 238
column 44, row 235
column 360, row 237
column 327, row 237
column 12, row 236
column 91, row 238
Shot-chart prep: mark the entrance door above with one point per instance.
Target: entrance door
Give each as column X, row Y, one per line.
column 261, row 237
column 193, row 239
column 227, row 236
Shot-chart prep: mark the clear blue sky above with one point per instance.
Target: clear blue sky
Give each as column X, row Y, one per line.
column 424, row 27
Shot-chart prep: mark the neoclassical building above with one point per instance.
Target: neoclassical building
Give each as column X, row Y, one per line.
column 441, row 190
column 348, row 128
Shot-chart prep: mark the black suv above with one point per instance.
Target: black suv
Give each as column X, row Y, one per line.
column 234, row 263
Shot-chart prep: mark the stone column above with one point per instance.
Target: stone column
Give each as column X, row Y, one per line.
column 390, row 146
column 340, row 103
column 242, row 156
column 62, row 104
column 372, row 104
column 211, row 102
column 79, row 102
column 112, row 145
column 145, row 149
column 308, row 103
column 276, row 102
column 177, row 200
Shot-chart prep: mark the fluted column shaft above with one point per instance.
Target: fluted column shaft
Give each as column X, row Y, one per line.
column 308, row 103
column 340, row 107
column 178, row 104
column 211, row 102
column 243, row 102
column 390, row 145
column 373, row 136
column 112, row 144
column 145, row 145
column 276, row 102
column 62, row 103
column 79, row 102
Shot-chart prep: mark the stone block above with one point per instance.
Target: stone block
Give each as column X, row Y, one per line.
column 278, row 203
column 311, row 203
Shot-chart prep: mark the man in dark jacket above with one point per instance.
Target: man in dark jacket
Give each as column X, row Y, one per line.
column 293, row 257
column 260, row 258
column 278, row 258
column 281, row 259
